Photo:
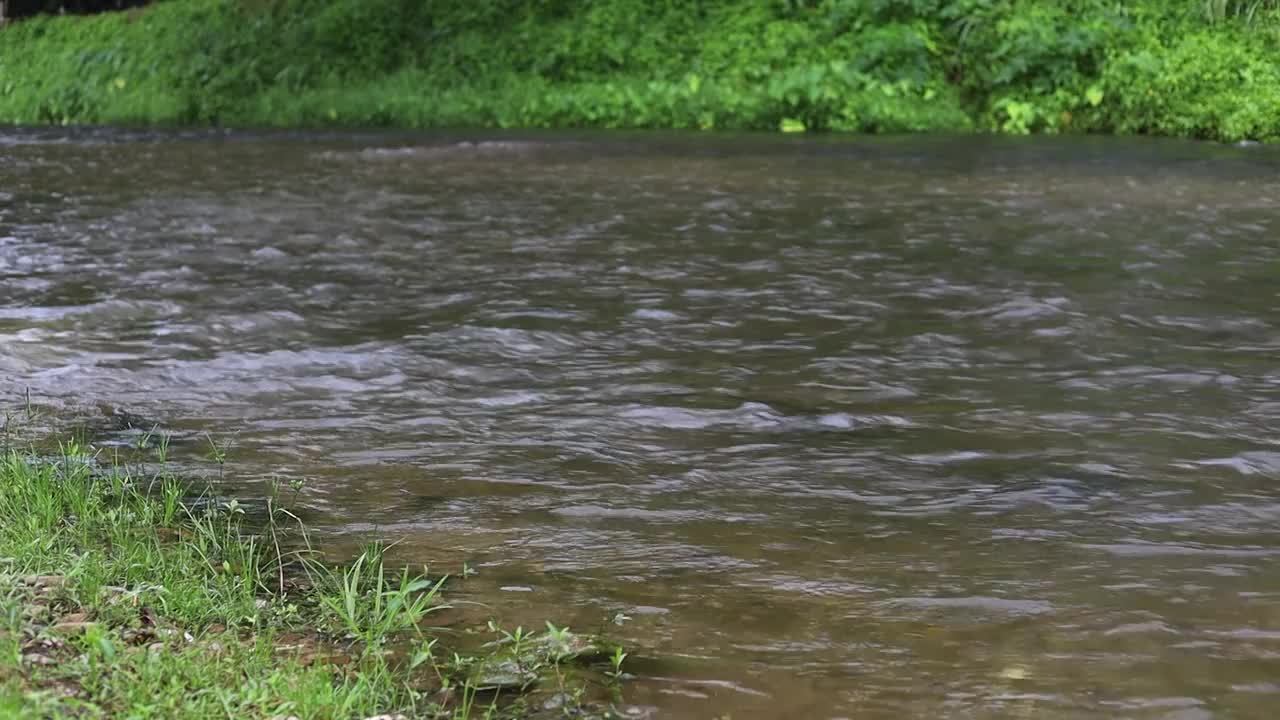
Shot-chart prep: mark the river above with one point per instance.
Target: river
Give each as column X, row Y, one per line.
column 847, row 428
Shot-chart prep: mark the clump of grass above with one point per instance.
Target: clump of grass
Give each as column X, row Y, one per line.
column 125, row 595
column 371, row 607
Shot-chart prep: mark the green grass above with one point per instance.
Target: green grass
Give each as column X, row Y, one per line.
column 121, row 595
column 1193, row 68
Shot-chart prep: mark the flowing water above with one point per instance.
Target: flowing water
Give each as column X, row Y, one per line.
column 864, row 428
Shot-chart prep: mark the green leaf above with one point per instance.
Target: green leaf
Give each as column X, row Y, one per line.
column 1094, row 95
column 791, row 125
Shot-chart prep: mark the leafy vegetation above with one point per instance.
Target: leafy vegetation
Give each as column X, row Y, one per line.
column 123, row 596
column 1198, row 68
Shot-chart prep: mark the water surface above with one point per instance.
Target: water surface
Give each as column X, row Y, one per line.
column 939, row 428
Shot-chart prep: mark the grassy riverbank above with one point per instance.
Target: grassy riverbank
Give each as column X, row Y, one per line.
column 1192, row 68
column 122, row 595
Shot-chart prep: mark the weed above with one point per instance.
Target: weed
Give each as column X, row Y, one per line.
column 615, row 661
column 369, row 606
column 218, row 452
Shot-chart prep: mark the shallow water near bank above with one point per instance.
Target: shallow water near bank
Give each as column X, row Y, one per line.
column 920, row 427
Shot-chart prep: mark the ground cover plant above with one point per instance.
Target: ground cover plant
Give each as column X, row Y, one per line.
column 1191, row 68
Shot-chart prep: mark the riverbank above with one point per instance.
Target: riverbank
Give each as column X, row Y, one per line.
column 124, row 595
column 1186, row 68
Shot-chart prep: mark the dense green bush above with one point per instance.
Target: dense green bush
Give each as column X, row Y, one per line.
column 1201, row 85
column 1201, row 68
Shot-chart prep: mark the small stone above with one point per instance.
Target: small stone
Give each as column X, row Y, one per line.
column 556, row 701
column 35, row 610
column 46, row 642
column 38, row 659
column 71, row 628
column 313, row 658
column 386, row 717
column 503, row 674
column 45, row 581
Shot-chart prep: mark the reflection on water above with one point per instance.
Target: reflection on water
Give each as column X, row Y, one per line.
column 848, row 428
